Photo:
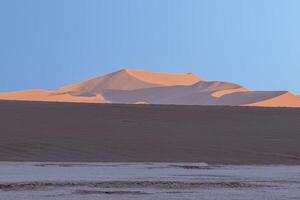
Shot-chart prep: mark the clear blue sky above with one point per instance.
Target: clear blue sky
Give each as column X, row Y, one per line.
column 50, row 43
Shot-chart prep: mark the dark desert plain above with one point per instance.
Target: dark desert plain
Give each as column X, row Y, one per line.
column 87, row 132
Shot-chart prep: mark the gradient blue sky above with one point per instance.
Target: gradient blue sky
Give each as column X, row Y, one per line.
column 50, row 43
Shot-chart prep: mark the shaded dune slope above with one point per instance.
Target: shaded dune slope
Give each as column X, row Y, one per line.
column 36, row 131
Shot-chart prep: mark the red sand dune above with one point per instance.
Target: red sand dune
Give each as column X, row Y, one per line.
column 136, row 87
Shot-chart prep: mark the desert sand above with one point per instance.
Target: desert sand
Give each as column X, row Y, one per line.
column 44, row 131
column 136, row 86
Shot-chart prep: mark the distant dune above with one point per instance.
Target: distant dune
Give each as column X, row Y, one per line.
column 43, row 131
column 135, row 86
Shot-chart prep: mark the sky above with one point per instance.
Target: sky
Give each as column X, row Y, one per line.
column 48, row 44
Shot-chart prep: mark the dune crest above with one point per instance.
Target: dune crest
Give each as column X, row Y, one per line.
column 140, row 87
column 165, row 79
column 229, row 91
column 127, row 79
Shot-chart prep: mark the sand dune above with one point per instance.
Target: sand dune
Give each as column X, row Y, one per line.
column 121, row 80
column 246, row 98
column 126, row 79
column 136, row 86
column 25, row 95
column 43, row 131
column 280, row 101
column 203, row 93
column 165, row 79
column 42, row 95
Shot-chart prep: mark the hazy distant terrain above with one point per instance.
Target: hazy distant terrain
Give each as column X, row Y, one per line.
column 42, row 131
column 139, row 87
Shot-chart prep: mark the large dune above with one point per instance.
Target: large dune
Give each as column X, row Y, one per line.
column 135, row 86
column 126, row 79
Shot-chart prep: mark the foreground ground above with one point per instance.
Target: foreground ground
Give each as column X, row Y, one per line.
column 146, row 181
column 32, row 131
